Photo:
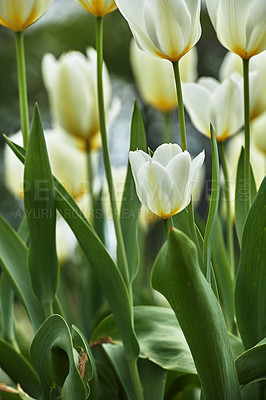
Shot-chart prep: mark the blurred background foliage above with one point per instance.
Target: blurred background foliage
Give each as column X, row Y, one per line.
column 68, row 27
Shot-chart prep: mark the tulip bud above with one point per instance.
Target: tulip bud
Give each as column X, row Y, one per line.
column 240, row 25
column 155, row 77
column 72, row 87
column 164, row 183
column 17, row 15
column 99, row 8
column 166, row 29
column 211, row 101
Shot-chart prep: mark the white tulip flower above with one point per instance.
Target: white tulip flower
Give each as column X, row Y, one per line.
column 258, row 130
column 164, row 182
column 72, row 87
column 209, row 101
column 165, row 28
column 240, row 25
column 233, row 63
column 17, row 15
column 155, row 76
column 99, row 8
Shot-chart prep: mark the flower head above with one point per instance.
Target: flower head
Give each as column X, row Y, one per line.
column 166, row 29
column 240, row 25
column 155, row 76
column 71, row 82
column 17, row 15
column 99, row 8
column 209, row 101
column 164, row 182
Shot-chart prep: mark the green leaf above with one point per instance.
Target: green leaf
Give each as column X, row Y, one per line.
column 104, row 267
column 9, row 393
column 39, row 201
column 251, row 365
column 160, row 338
column 213, row 209
column 223, row 275
column 177, row 275
column 13, row 260
column 240, row 193
column 56, row 360
column 130, row 207
column 250, row 291
column 18, row 368
column 6, row 308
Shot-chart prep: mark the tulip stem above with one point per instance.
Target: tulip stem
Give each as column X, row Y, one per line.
column 90, row 180
column 167, row 136
column 193, row 231
column 123, row 265
column 180, row 105
column 247, row 135
column 229, row 220
column 22, row 86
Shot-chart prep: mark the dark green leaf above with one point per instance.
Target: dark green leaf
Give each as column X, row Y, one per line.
column 177, row 275
column 240, row 194
column 250, row 292
column 17, row 367
column 13, row 260
column 160, row 338
column 251, row 365
column 56, row 360
column 105, row 269
column 131, row 205
column 39, row 201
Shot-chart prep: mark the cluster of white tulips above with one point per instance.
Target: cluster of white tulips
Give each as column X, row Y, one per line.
column 209, row 341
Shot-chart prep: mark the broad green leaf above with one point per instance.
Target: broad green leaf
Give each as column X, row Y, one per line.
column 223, row 275
column 251, row 365
column 178, row 384
column 39, row 201
column 13, row 260
column 6, row 308
column 160, row 338
column 18, row 368
column 213, row 208
column 240, row 193
column 104, row 267
column 56, row 360
column 177, row 275
column 130, row 207
column 250, row 291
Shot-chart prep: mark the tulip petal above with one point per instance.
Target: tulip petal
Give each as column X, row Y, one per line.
column 196, row 165
column 179, row 170
column 137, row 159
column 155, row 188
column 256, row 27
column 164, row 153
column 197, row 103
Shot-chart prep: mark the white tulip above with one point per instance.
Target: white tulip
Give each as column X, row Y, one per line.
column 258, row 131
column 240, row 25
column 164, row 183
column 233, row 63
column 155, row 77
column 165, row 28
column 72, row 87
column 209, row 101
column 99, row 8
column 17, row 15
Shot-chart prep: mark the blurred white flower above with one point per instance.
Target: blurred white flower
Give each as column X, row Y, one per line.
column 71, row 83
column 164, row 183
column 99, row 8
column 233, row 63
column 155, row 76
column 209, row 101
column 17, row 15
column 240, row 25
column 258, row 131
column 167, row 29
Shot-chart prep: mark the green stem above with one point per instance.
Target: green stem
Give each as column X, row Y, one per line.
column 229, row 219
column 247, row 135
column 90, row 181
column 133, row 369
column 193, row 231
column 48, row 309
column 180, row 105
column 22, row 87
column 120, row 243
column 167, row 135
